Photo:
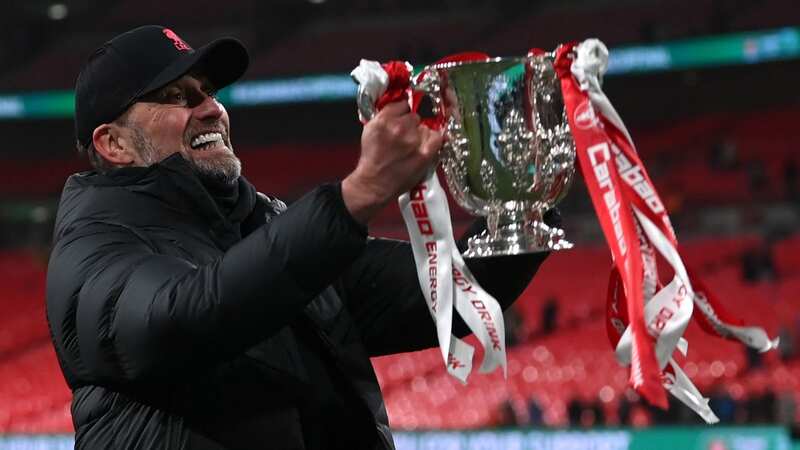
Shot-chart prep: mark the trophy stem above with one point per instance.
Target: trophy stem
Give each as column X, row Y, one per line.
column 514, row 232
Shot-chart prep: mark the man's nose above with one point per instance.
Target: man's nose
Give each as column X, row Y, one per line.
column 208, row 108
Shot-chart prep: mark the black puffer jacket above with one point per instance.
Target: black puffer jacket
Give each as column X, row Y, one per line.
column 186, row 320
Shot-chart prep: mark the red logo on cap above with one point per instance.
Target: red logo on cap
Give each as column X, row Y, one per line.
column 180, row 44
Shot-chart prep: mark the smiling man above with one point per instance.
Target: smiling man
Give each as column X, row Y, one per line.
column 189, row 311
column 181, row 117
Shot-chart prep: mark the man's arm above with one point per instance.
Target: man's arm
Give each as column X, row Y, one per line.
column 140, row 315
column 383, row 294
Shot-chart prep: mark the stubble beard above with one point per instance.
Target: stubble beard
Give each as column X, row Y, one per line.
column 226, row 169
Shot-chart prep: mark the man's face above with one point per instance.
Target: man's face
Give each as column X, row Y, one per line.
column 183, row 117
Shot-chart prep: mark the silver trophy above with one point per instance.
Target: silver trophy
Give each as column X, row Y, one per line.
column 508, row 153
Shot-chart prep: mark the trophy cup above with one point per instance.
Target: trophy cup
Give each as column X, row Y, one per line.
column 508, row 152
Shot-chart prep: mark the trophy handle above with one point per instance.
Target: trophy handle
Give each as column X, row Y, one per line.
column 366, row 104
column 376, row 81
column 424, row 85
column 428, row 85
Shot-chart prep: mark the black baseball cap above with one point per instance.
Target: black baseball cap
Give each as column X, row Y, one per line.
column 141, row 61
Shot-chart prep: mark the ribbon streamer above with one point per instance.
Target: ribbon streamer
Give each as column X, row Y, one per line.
column 645, row 321
column 445, row 279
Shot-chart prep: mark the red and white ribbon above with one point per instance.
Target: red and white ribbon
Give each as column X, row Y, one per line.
column 645, row 320
column 445, row 280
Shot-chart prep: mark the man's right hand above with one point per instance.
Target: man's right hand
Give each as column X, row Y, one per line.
column 396, row 153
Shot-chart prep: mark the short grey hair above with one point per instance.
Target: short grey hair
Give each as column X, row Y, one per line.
column 97, row 161
column 88, row 150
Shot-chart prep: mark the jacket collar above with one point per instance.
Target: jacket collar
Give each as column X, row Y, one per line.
column 173, row 186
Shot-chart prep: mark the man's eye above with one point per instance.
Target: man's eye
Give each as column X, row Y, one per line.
column 172, row 96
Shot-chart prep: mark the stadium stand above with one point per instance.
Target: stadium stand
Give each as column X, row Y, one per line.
column 575, row 361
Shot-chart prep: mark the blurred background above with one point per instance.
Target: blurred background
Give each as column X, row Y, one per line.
column 708, row 89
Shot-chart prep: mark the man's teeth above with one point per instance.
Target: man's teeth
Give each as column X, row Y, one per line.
column 206, row 138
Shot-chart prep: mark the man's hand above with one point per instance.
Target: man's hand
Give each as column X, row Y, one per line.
column 396, row 152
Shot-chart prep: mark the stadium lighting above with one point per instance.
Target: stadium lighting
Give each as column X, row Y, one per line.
column 57, row 11
column 689, row 54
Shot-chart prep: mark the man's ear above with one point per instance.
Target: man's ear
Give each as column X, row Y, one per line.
column 112, row 145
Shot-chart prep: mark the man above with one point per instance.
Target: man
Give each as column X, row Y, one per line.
column 189, row 311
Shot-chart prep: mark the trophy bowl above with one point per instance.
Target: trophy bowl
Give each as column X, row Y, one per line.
column 508, row 153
